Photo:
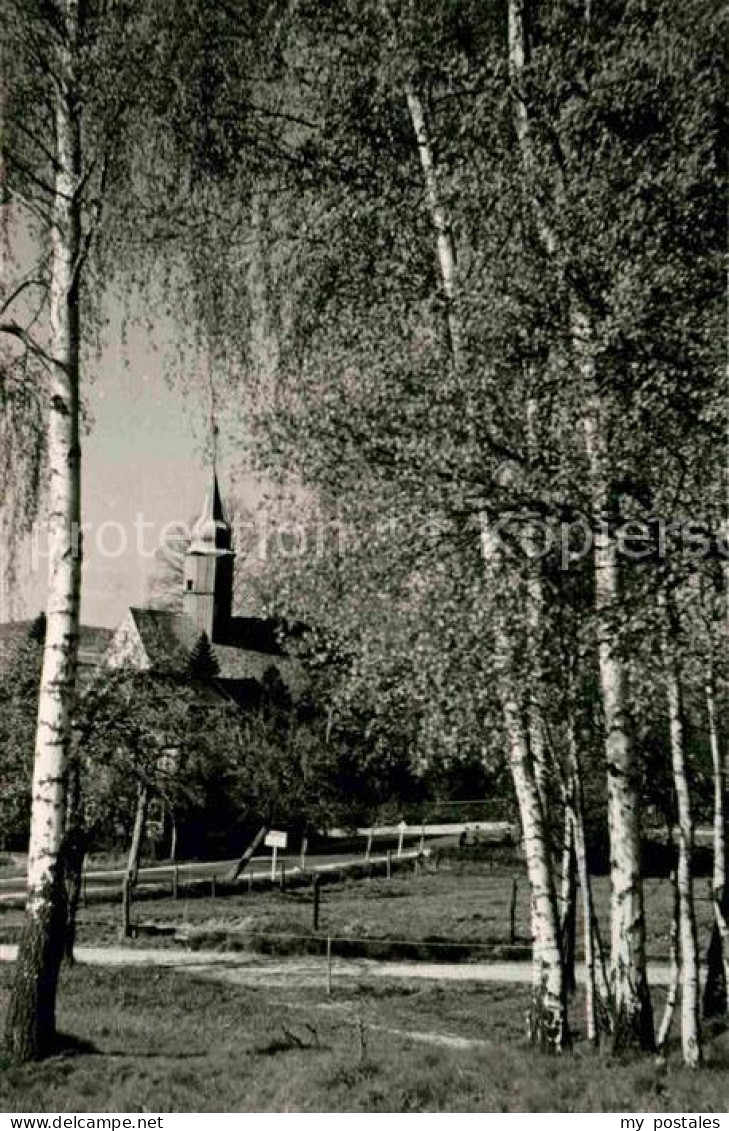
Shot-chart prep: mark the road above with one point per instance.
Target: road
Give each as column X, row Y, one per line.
column 258, row 970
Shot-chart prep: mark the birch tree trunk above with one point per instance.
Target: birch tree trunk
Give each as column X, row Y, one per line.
column 445, row 247
column 716, row 990
column 140, row 821
column 630, row 995
column 30, row 1024
column 568, row 895
column 690, row 1030
column 633, row 1020
column 135, row 852
column 173, row 835
column 548, row 1023
column 576, row 809
column 247, row 856
column 534, row 625
column 548, row 1026
column 588, row 915
column 674, row 976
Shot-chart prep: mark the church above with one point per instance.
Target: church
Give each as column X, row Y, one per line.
column 248, row 650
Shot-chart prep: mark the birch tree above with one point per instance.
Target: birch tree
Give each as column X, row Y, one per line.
column 575, row 180
column 548, row 1016
column 716, row 990
column 69, row 92
column 688, row 942
column 30, row 1030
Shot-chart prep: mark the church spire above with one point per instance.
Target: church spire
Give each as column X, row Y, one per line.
column 208, row 575
column 212, row 529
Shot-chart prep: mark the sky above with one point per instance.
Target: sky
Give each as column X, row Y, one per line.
column 145, row 464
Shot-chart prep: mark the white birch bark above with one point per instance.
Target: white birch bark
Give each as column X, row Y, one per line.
column 548, row 1017
column 30, row 1025
column 140, row 821
column 568, row 891
column 690, row 1030
column 716, row 993
column 134, row 857
column 588, row 917
column 548, row 1024
column 445, row 247
column 575, row 798
column 534, row 625
column 674, row 977
column 630, row 996
column 632, row 1023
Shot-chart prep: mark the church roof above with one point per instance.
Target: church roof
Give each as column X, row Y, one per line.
column 249, row 653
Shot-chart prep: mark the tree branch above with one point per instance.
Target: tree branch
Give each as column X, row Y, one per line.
column 19, row 290
column 16, row 331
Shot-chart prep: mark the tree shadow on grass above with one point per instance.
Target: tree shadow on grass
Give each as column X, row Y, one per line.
column 68, row 1044
column 279, row 1044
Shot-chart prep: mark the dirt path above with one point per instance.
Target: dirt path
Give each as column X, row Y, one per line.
column 258, row 970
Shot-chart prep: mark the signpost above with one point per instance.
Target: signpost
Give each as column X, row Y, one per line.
column 275, row 840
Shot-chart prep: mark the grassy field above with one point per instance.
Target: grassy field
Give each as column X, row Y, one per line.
column 463, row 902
column 158, row 1041
column 161, row 1040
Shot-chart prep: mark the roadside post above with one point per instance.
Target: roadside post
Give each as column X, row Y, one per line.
column 401, row 836
column 275, row 840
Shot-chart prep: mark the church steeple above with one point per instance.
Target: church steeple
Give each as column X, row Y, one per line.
column 208, row 576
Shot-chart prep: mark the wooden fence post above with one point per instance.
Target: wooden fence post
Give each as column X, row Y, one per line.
column 127, row 908
column 175, row 883
column 316, row 894
column 389, row 863
column 329, row 964
column 512, row 912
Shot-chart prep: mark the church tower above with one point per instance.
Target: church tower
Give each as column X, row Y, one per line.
column 208, row 576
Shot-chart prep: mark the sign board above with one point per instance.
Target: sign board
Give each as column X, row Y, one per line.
column 276, row 839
